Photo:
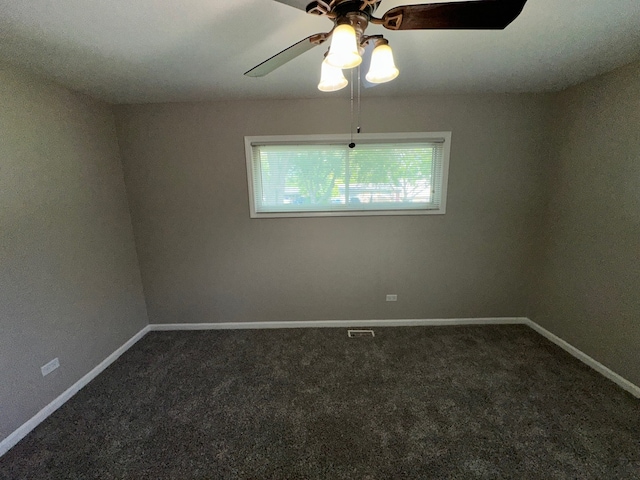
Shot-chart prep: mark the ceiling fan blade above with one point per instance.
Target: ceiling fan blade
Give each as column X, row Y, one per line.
column 475, row 15
column 287, row 55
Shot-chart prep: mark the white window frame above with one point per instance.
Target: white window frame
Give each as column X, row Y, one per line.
column 444, row 137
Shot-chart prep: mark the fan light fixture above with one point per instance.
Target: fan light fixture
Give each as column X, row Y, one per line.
column 382, row 68
column 343, row 52
column 331, row 78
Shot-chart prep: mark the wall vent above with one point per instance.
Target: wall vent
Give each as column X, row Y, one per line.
column 360, row 333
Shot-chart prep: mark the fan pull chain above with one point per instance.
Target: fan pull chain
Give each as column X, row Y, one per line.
column 351, row 145
column 359, row 86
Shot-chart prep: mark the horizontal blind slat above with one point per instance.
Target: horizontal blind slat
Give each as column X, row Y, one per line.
column 332, row 177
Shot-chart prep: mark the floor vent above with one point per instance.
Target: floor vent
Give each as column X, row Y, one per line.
column 360, row 333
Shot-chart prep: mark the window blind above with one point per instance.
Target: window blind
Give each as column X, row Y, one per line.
column 386, row 176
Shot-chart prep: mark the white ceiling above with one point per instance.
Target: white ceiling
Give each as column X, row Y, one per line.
column 128, row 51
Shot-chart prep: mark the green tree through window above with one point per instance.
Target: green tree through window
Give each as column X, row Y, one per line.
column 405, row 175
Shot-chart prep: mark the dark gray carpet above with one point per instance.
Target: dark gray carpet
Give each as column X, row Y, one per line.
column 439, row 402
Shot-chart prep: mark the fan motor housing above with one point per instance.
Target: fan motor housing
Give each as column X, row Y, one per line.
column 341, row 8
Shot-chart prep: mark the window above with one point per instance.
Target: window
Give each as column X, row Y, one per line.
column 319, row 175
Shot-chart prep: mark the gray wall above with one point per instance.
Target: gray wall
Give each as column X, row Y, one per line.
column 69, row 279
column 204, row 260
column 588, row 280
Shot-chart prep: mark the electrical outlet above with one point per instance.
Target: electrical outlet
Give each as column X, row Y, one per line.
column 392, row 298
column 50, row 367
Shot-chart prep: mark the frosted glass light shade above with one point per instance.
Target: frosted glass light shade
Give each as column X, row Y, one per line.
column 331, row 78
column 343, row 52
column 383, row 68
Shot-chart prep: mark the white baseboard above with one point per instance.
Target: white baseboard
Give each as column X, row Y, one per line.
column 583, row 357
column 607, row 372
column 34, row 421
column 339, row 324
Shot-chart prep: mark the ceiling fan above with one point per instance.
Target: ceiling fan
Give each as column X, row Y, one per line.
column 351, row 17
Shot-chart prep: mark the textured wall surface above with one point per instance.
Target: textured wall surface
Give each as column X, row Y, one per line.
column 588, row 281
column 203, row 259
column 69, row 278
